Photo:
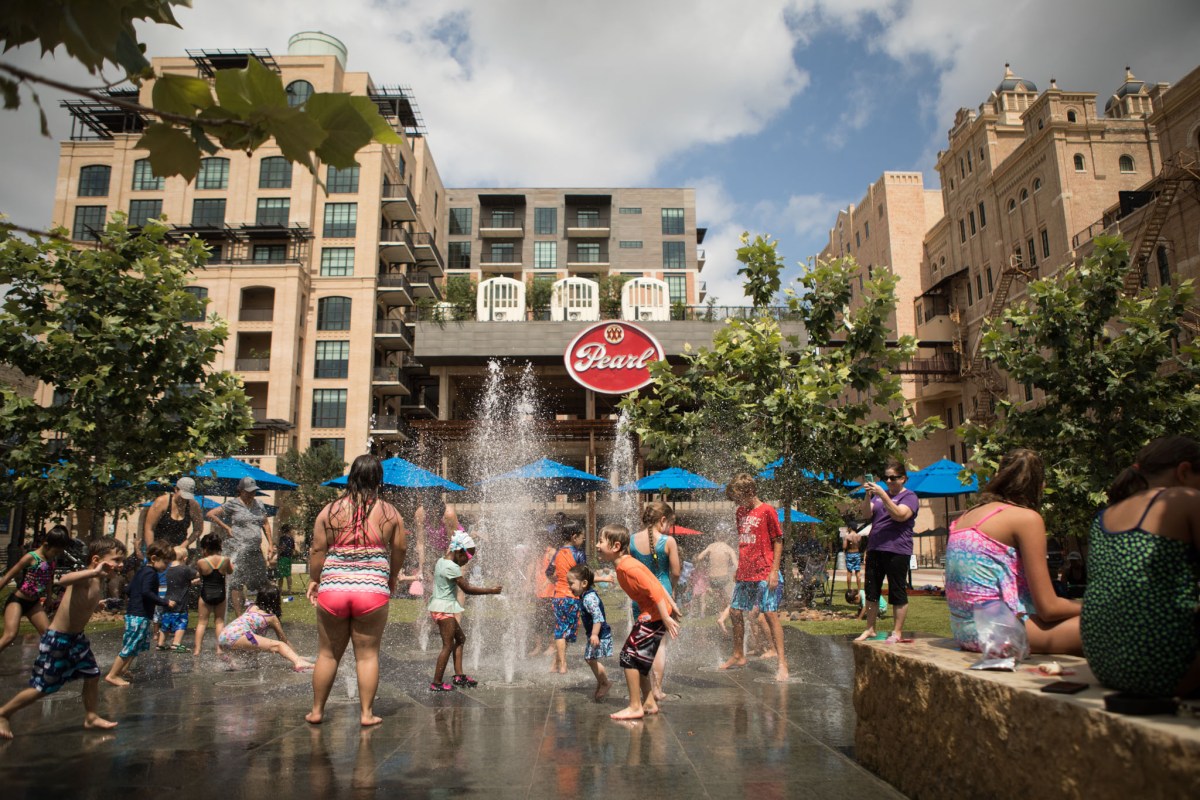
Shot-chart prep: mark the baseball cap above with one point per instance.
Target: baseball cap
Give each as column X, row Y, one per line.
column 247, row 484
column 186, row 488
column 462, row 541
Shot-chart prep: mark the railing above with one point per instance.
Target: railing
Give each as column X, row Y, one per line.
column 714, row 314
column 590, row 222
column 394, row 236
column 421, row 399
column 425, row 279
column 502, row 224
column 425, row 240
column 385, row 374
column 256, row 314
column 252, row 364
column 259, row 414
column 398, row 191
column 501, row 257
column 938, row 365
column 700, row 256
column 393, row 280
column 589, row 258
column 291, row 258
column 395, row 327
column 934, row 306
column 387, row 422
column 1102, row 227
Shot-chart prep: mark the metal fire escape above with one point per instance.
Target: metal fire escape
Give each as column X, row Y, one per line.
column 978, row 368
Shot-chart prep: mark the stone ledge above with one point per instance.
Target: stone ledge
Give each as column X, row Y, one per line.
column 934, row 729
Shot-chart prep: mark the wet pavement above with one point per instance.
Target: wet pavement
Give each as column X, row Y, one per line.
column 195, row 728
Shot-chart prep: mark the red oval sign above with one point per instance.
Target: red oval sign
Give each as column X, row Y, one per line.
column 612, row 357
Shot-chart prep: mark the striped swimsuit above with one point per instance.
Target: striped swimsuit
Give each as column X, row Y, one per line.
column 354, row 579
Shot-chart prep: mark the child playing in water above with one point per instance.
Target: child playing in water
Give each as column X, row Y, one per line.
column 859, row 598
column 179, row 583
column 212, row 567
column 637, row 656
column 566, row 606
column 143, row 599
column 245, row 632
column 583, row 585
column 64, row 653
column 28, row 599
column 448, row 578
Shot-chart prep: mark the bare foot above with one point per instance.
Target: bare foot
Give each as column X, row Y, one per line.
column 660, row 695
column 650, row 708
column 781, row 675
column 97, row 723
column 629, row 712
column 370, row 720
column 768, row 654
column 5, row 729
column 722, row 624
column 116, row 680
column 302, row 666
column 865, row 635
column 602, row 691
column 314, row 717
column 736, row 661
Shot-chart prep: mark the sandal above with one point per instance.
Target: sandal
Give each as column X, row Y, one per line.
column 465, row 680
column 180, row 648
column 441, row 687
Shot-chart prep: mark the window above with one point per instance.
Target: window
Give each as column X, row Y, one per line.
column 1037, row 185
column 962, row 168
column 342, row 181
column 1045, row 243
column 208, row 213
column 333, row 314
column 962, row 231
column 1079, row 163
column 333, row 360
column 982, row 216
column 588, row 253
column 501, row 253
column 970, row 297
column 89, row 222
column 337, row 262
column 545, row 221
column 981, row 159
column 1012, row 205
column 545, row 255
column 1041, row 123
column 270, row 253
column 1071, row 116
column 1028, row 392
column 674, row 255
column 970, row 166
column 676, row 287
column 142, row 211
column 143, row 177
column 275, row 173
column 298, row 93
column 630, row 245
column 201, row 294
column 1024, row 195
column 629, row 210
column 340, row 219
column 866, row 230
column 979, row 285
column 1164, row 267
column 460, row 221
column 273, row 211
column 857, row 241
column 1032, row 253
column 401, row 165
column 459, row 255
column 1126, row 163
column 971, row 218
column 337, row 445
column 672, row 221
column 1017, row 259
column 214, row 174
column 93, row 181
column 503, row 218
column 329, row 408
column 988, row 269
column 587, row 218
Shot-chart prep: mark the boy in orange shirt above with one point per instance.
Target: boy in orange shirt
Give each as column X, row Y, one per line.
column 637, row 656
column 566, row 605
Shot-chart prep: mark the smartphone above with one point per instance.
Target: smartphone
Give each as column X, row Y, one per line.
column 1064, row 687
column 869, row 478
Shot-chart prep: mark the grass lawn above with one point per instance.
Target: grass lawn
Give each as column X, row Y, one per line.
column 926, row 614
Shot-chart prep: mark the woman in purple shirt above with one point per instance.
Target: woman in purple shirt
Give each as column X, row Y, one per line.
column 893, row 514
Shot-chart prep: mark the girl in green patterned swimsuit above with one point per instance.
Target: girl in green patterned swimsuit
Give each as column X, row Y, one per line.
column 1139, row 622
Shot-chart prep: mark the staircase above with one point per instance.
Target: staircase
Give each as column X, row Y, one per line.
column 1148, row 237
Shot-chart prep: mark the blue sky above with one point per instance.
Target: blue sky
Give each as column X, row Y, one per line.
column 779, row 112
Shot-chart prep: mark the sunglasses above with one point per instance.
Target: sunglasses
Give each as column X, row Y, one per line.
column 893, row 477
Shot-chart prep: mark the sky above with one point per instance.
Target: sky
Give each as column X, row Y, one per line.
column 778, row 112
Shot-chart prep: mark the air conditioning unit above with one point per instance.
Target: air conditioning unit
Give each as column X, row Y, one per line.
column 575, row 316
column 499, row 315
column 646, row 315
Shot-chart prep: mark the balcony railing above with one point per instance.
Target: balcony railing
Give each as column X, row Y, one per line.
column 945, row 365
column 427, row 250
column 385, row 375
column 252, row 364
column 256, row 314
column 425, row 282
column 702, row 313
column 398, row 191
column 501, row 257
column 394, row 280
column 387, row 422
column 394, row 236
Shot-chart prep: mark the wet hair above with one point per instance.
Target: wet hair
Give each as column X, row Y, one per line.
column 653, row 512
column 584, row 573
column 741, row 487
column 210, row 543
column 362, row 493
column 896, row 465
column 160, row 550
column 268, row 600
column 104, row 545
column 58, row 536
column 570, row 529
column 617, row 535
column 1018, row 480
column 1162, row 454
column 851, row 597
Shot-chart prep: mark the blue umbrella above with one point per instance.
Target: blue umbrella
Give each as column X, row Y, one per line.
column 673, row 479
column 940, row 479
column 861, row 491
column 768, row 474
column 224, row 474
column 550, row 477
column 797, row 516
column 401, row 474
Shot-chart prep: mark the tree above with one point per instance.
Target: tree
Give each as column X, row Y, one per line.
column 538, row 296
column 310, row 469
column 240, row 109
column 136, row 398
column 831, row 406
column 460, row 292
column 1112, row 372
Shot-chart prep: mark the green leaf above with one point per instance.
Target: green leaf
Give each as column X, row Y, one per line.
column 172, row 152
column 381, row 129
column 296, row 134
column 250, row 91
column 345, row 128
column 181, row 94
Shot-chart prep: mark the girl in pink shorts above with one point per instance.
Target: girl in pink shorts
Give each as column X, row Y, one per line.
column 448, row 578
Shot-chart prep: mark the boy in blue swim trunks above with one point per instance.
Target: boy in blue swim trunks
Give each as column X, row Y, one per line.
column 143, row 599
column 566, row 605
column 852, row 547
column 64, row 653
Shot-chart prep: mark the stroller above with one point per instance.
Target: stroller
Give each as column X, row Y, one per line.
column 811, row 563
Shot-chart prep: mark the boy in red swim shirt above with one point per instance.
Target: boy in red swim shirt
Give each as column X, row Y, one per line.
column 637, row 656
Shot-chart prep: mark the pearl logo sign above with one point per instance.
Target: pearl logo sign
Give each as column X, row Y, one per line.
column 612, row 357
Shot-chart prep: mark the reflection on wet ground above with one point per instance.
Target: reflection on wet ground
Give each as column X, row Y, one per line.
column 196, row 729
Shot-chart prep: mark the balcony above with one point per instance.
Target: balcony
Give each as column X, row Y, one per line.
column 503, row 260
column 394, row 288
column 506, row 221
column 398, row 203
column 429, row 258
column 422, row 403
column 938, row 318
column 393, row 334
column 388, row 426
column 256, row 314
column 252, row 364
column 507, row 229
column 423, row 286
column 387, row 381
column 589, row 228
column 703, row 290
column 396, row 247
column 701, row 258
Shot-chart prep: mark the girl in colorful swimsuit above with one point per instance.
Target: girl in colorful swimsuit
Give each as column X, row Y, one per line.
column 448, row 578
column 245, row 632
column 28, row 600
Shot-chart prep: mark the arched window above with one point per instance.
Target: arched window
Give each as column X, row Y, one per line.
column 1012, row 205
column 298, row 93
column 1079, row 163
column 1040, row 123
column 214, row 174
column 1037, row 184
column 1024, row 195
column 981, row 155
column 1071, row 117
column 1126, row 163
column 333, row 314
column 275, row 172
column 143, row 177
column 93, row 181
